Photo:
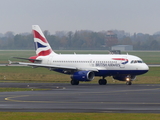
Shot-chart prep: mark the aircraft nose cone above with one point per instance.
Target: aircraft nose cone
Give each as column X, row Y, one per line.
column 144, row 68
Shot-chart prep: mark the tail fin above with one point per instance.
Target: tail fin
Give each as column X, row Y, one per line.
column 41, row 44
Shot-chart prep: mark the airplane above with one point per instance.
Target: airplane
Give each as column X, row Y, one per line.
column 84, row 67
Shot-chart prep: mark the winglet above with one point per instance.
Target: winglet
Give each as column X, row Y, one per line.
column 10, row 62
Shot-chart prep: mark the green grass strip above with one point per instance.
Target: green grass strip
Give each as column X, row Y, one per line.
column 76, row 116
column 19, row 89
column 28, row 74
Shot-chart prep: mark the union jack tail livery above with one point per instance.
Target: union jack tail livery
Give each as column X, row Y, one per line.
column 41, row 44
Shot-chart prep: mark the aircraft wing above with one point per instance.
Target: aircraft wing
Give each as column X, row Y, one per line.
column 58, row 66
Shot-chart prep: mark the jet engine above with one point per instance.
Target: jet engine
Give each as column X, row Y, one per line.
column 83, row 76
column 125, row 77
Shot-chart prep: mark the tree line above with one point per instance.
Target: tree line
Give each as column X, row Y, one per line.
column 81, row 40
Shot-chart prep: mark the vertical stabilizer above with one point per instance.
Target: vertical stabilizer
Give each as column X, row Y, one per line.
column 41, row 44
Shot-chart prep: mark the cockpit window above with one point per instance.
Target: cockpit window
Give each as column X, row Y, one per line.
column 139, row 61
column 136, row 61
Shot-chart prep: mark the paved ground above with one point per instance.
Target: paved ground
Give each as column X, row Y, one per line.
column 64, row 97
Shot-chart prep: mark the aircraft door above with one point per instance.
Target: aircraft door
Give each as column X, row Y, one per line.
column 91, row 63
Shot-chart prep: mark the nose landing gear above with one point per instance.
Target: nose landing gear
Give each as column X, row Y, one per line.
column 128, row 81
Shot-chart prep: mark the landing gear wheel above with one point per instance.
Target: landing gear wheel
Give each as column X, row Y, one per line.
column 102, row 82
column 128, row 83
column 74, row 82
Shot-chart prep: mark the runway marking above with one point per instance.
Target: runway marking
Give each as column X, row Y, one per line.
column 81, row 93
column 10, row 99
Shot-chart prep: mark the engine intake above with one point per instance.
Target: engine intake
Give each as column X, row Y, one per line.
column 83, row 76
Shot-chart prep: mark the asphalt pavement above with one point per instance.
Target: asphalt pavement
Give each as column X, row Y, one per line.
column 63, row 97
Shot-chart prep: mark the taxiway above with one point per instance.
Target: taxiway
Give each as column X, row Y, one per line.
column 63, row 97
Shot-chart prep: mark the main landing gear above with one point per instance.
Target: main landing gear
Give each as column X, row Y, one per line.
column 102, row 81
column 74, row 82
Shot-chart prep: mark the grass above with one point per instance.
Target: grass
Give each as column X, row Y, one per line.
column 150, row 57
column 151, row 77
column 6, row 55
column 27, row 74
column 19, row 89
column 76, row 116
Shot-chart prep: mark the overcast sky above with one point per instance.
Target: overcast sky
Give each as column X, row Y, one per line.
column 71, row 15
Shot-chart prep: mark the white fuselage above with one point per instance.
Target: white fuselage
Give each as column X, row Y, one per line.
column 103, row 62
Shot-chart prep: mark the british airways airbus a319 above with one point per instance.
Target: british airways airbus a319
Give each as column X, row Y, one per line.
column 84, row 67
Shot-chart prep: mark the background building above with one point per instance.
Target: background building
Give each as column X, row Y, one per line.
column 111, row 39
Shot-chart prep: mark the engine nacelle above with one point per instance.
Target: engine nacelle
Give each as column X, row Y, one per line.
column 83, row 76
column 125, row 77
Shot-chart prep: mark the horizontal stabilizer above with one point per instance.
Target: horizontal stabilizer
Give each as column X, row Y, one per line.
column 27, row 59
column 10, row 62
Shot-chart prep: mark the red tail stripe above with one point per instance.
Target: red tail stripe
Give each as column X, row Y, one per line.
column 44, row 53
column 119, row 59
column 37, row 35
column 33, row 57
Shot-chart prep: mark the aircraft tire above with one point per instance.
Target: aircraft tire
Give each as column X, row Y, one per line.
column 128, row 83
column 74, row 82
column 102, row 82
